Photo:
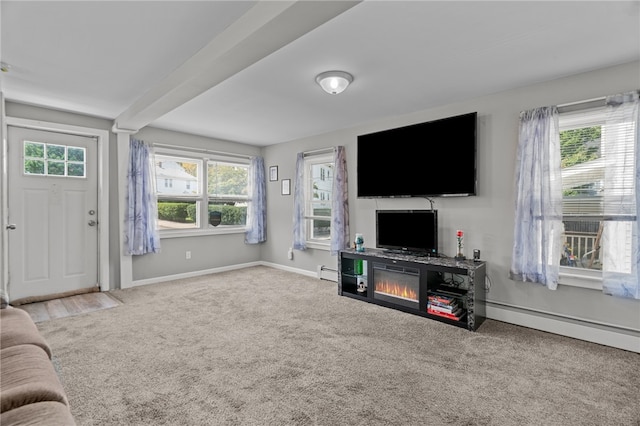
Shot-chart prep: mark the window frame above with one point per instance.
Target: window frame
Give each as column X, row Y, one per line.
column 575, row 116
column 202, row 197
column 309, row 161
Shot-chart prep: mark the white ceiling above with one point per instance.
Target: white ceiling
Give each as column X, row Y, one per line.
column 183, row 66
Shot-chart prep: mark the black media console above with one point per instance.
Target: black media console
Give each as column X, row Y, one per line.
column 443, row 289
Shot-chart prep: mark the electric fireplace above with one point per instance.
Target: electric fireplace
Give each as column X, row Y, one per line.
column 397, row 285
column 440, row 288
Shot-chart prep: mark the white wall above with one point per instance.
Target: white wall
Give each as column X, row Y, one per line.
column 488, row 218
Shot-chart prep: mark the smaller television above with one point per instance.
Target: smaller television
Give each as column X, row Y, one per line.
column 408, row 231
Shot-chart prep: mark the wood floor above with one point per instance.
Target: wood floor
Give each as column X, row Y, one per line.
column 69, row 306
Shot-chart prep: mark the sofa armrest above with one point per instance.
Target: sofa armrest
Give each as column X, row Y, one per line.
column 45, row 413
column 27, row 376
column 17, row 328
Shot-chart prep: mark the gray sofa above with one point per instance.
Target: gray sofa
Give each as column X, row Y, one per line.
column 30, row 391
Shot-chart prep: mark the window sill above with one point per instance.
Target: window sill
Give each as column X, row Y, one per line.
column 578, row 278
column 318, row 246
column 199, row 232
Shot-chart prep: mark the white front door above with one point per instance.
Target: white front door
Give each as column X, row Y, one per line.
column 53, row 212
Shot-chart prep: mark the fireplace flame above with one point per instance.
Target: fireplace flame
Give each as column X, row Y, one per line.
column 395, row 289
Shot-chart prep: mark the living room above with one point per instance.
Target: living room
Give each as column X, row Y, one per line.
column 576, row 310
column 493, row 207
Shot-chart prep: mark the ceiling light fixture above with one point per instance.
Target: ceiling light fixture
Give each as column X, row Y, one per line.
column 334, row 82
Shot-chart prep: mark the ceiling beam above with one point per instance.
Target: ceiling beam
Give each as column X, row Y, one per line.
column 265, row 28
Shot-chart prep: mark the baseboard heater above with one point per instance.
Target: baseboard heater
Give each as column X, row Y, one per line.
column 565, row 325
column 325, row 273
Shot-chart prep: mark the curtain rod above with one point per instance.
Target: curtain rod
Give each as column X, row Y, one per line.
column 201, row 150
column 318, row 151
column 576, row 106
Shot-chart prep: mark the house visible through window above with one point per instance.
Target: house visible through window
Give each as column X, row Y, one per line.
column 592, row 193
column 201, row 193
column 318, row 178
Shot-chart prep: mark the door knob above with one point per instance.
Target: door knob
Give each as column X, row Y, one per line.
column 92, row 223
column 11, row 226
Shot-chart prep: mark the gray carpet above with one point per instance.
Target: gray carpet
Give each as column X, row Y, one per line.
column 260, row 346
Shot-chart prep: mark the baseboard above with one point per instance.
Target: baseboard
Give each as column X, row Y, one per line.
column 628, row 340
column 217, row 270
column 164, row 278
column 290, row 269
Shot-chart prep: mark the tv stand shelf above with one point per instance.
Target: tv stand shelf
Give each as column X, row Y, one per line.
column 439, row 288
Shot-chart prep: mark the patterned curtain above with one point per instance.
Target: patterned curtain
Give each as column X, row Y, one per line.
column 339, row 203
column 142, row 208
column 257, row 212
column 538, row 217
column 299, row 234
column 620, row 273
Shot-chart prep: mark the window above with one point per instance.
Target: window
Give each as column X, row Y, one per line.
column 592, row 194
column 54, row 160
column 201, row 193
column 318, row 178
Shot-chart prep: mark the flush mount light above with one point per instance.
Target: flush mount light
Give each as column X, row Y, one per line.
column 334, row 82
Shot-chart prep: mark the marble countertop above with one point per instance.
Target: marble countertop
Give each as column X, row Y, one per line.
column 449, row 262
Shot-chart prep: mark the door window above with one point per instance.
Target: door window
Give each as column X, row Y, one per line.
column 46, row 159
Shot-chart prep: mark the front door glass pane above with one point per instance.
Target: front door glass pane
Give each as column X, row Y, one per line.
column 54, row 160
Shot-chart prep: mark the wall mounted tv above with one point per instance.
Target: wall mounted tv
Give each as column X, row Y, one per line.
column 432, row 159
column 414, row 231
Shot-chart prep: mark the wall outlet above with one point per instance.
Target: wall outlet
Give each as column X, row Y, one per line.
column 188, row 255
column 290, row 254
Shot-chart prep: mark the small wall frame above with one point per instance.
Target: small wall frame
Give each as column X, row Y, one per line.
column 273, row 173
column 286, row 187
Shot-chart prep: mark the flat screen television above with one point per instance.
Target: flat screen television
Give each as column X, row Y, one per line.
column 432, row 159
column 412, row 231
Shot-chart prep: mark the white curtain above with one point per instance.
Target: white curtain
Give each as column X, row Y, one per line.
column 620, row 273
column 299, row 234
column 257, row 212
column 141, row 232
column 339, row 203
column 538, row 223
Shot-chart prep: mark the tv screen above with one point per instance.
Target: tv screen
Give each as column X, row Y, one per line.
column 414, row 231
column 436, row 158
